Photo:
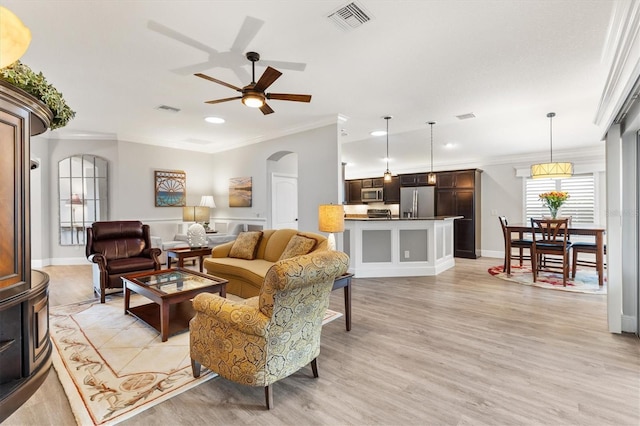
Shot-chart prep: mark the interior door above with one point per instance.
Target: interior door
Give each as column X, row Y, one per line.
column 284, row 201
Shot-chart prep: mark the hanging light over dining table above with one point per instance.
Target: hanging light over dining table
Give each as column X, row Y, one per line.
column 551, row 170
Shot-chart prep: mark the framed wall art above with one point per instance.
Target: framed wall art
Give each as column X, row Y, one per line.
column 240, row 190
column 170, row 188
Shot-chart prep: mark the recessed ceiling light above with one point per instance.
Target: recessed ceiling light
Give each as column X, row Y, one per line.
column 449, row 145
column 378, row 133
column 214, row 120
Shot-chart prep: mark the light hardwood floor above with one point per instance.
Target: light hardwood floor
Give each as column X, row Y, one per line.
column 462, row 348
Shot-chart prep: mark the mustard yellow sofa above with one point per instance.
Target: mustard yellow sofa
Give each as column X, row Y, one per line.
column 246, row 276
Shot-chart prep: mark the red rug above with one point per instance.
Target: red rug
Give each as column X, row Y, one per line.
column 585, row 281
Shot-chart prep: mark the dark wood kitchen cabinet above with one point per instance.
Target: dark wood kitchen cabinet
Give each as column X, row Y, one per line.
column 25, row 347
column 458, row 194
column 354, row 191
column 391, row 191
column 414, row 179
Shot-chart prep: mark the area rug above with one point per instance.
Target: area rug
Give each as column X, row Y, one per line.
column 584, row 282
column 113, row 366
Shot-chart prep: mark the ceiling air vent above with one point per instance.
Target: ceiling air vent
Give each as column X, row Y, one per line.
column 466, row 116
column 168, row 108
column 349, row 17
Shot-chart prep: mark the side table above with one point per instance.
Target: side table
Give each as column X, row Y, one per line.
column 344, row 281
column 184, row 253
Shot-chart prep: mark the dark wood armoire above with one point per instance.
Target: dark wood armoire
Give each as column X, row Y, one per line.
column 25, row 347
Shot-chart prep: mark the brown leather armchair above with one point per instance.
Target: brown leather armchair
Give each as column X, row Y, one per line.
column 120, row 248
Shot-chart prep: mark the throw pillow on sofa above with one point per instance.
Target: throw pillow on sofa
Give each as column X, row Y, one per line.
column 244, row 247
column 297, row 246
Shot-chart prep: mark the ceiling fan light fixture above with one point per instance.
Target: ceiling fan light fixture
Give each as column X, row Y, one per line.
column 551, row 170
column 253, row 100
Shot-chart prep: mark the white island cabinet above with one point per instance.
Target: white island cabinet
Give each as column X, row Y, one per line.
column 399, row 247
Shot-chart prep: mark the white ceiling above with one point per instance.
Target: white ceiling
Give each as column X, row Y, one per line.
column 508, row 62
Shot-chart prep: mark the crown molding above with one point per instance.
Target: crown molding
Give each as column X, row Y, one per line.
column 623, row 44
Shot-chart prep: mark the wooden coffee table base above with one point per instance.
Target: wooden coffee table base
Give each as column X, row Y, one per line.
column 177, row 320
column 171, row 292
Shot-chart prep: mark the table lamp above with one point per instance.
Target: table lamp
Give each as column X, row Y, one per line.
column 331, row 219
column 196, row 234
column 207, row 201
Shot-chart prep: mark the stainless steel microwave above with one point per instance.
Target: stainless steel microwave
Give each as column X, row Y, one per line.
column 370, row 195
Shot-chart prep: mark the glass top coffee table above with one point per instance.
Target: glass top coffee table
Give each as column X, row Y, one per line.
column 170, row 291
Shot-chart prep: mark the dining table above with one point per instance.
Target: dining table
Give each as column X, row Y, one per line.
column 597, row 231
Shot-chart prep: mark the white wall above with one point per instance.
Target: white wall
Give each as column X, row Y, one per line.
column 318, row 157
column 131, row 182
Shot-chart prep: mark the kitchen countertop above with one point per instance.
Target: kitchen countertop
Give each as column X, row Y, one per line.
column 370, row 219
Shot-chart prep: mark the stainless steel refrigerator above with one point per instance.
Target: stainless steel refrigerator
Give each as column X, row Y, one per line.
column 417, row 202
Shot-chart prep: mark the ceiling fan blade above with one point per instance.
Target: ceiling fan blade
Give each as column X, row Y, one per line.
column 295, row 66
column 268, row 77
column 215, row 80
column 164, row 30
column 192, row 69
column 266, row 109
column 218, row 101
column 248, row 31
column 288, row 97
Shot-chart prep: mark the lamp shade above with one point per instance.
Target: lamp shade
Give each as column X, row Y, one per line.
column 14, row 37
column 551, row 170
column 331, row 218
column 76, row 200
column 207, row 201
column 195, row 214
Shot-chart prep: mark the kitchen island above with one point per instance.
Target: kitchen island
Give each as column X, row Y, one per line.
column 399, row 247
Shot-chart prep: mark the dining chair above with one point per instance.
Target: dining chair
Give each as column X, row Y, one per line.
column 583, row 247
column 519, row 243
column 550, row 238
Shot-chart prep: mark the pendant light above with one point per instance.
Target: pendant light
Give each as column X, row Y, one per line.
column 431, row 177
column 387, row 173
column 551, row 170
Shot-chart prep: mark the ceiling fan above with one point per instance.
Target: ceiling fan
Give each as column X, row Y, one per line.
column 253, row 94
column 232, row 59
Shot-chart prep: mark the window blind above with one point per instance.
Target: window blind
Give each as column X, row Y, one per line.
column 580, row 205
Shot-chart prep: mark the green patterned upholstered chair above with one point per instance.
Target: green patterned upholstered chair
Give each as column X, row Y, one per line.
column 265, row 338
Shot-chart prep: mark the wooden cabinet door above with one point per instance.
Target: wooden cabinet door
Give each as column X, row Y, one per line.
column 367, row 183
column 408, row 180
column 14, row 251
column 464, row 241
column 422, row 179
column 465, row 179
column 392, row 191
column 446, row 180
column 446, row 203
column 377, row 182
column 355, row 191
column 464, row 200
